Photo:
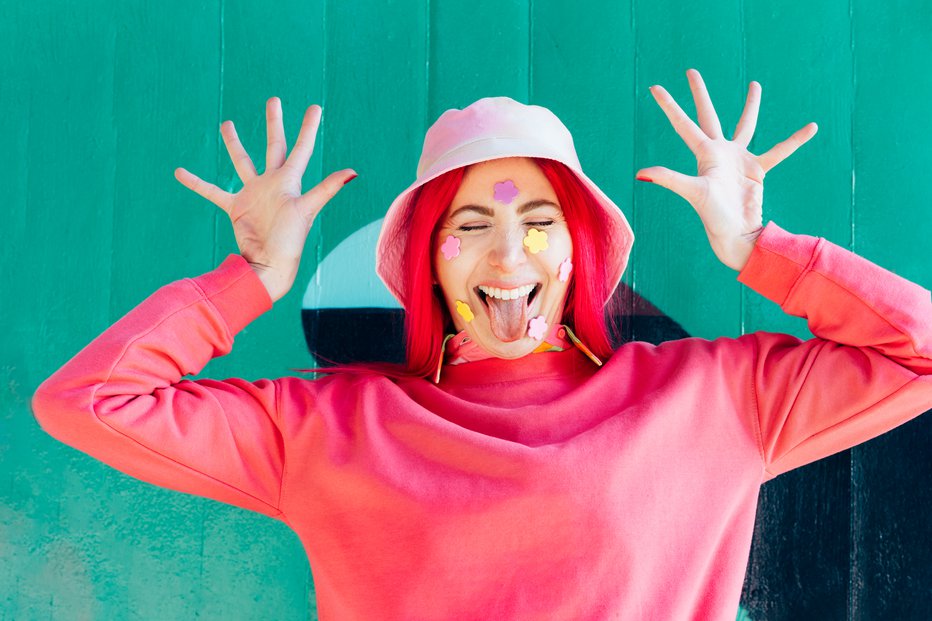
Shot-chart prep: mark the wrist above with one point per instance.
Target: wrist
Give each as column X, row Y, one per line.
column 275, row 283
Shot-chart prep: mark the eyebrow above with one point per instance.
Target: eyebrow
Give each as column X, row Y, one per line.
column 482, row 210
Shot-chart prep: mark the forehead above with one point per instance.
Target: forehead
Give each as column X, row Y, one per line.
column 480, row 179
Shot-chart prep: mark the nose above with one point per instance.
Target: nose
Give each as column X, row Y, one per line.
column 508, row 251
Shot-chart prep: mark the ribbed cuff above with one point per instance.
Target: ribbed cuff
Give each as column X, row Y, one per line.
column 777, row 261
column 236, row 291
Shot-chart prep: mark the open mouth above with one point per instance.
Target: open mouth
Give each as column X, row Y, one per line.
column 508, row 310
column 530, row 291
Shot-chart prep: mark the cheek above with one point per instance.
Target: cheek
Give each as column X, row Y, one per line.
column 450, row 273
column 560, row 255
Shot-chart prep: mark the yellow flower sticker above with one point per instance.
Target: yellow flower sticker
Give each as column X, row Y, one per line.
column 536, row 240
column 464, row 311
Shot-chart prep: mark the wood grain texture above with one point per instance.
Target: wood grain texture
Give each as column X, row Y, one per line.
column 672, row 264
column 101, row 100
column 891, row 566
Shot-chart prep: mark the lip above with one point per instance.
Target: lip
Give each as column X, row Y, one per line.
column 501, row 284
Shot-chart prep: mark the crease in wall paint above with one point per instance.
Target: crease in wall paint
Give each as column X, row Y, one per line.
column 221, row 67
column 854, row 98
column 743, row 77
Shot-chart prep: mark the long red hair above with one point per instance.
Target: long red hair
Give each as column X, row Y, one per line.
column 427, row 318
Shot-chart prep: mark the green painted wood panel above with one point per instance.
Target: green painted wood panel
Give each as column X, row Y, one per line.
column 891, row 130
column 673, row 265
column 805, row 528
column 101, row 100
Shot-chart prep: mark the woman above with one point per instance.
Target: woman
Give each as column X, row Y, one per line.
column 515, row 467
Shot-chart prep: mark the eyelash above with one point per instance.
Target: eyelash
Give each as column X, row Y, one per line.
column 539, row 224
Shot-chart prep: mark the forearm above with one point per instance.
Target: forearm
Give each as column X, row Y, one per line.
column 845, row 298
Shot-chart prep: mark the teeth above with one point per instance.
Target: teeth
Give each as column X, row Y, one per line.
column 506, row 294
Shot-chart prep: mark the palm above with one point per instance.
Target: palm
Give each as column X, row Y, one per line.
column 279, row 224
column 271, row 217
column 733, row 188
column 728, row 191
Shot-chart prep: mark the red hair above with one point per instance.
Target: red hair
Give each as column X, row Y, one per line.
column 427, row 318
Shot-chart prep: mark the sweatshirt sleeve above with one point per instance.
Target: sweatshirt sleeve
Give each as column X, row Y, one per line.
column 869, row 368
column 122, row 399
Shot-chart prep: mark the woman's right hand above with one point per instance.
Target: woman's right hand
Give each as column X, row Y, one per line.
column 271, row 217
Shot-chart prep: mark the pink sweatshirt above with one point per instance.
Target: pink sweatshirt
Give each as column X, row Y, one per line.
column 533, row 489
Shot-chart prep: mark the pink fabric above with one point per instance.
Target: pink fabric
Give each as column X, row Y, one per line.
column 534, row 489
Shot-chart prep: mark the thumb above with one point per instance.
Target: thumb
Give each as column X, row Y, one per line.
column 684, row 185
column 314, row 199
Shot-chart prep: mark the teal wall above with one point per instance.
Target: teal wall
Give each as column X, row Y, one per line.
column 102, row 100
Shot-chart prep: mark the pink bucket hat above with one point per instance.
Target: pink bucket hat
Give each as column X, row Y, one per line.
column 492, row 128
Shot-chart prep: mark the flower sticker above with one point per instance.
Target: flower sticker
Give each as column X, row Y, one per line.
column 464, row 311
column 536, row 240
column 537, row 327
column 505, row 192
column 450, row 248
column 565, row 269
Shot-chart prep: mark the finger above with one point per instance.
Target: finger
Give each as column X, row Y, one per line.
column 744, row 131
column 215, row 195
column 304, row 147
column 690, row 188
column 241, row 160
column 276, row 149
column 783, row 150
column 312, row 201
column 708, row 119
column 682, row 124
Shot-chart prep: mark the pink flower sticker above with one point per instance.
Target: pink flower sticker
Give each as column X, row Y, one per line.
column 537, row 327
column 565, row 269
column 450, row 248
column 505, row 192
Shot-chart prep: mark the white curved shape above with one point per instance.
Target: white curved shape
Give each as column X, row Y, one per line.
column 346, row 278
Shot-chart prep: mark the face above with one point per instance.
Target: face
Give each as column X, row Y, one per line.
column 500, row 253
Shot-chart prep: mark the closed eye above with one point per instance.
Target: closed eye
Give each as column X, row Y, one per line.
column 540, row 223
column 472, row 227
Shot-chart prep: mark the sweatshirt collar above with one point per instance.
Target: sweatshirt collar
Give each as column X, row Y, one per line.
column 458, row 349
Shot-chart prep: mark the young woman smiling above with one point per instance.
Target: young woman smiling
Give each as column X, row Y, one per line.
column 515, row 467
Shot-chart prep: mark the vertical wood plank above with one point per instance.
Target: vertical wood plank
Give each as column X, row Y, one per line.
column 262, row 57
column 375, row 108
column 477, row 50
column 285, row 58
column 165, row 100
column 799, row 562
column 582, row 68
column 781, row 41
column 58, row 165
column 673, row 265
column 892, row 219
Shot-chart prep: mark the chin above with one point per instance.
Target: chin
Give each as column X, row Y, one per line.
column 510, row 350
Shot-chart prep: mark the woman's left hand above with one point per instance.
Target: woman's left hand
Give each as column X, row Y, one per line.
column 728, row 191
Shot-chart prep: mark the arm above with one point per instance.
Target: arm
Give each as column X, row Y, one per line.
column 869, row 368
column 122, row 398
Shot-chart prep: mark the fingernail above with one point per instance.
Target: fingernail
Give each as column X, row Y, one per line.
column 643, row 178
column 350, row 178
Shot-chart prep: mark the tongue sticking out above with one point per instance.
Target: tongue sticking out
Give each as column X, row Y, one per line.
column 508, row 318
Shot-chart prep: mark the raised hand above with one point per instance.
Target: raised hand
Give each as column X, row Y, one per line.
column 271, row 217
column 728, row 190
